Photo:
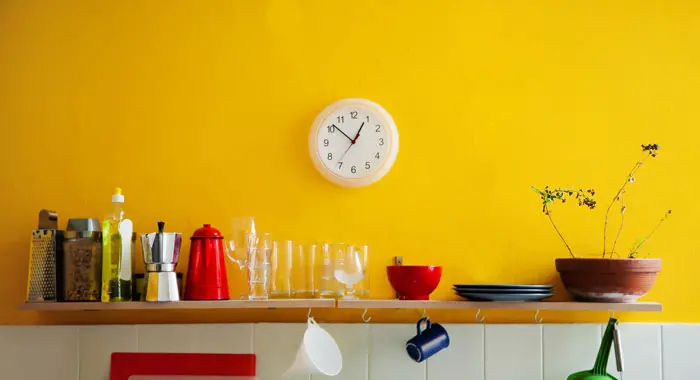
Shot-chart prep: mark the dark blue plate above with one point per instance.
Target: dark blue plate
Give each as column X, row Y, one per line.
column 501, row 291
column 497, row 297
column 503, row 286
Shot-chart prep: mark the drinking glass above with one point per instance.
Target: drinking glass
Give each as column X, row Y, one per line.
column 303, row 271
column 241, row 240
column 259, row 268
column 326, row 260
column 363, row 286
column 350, row 271
column 281, row 266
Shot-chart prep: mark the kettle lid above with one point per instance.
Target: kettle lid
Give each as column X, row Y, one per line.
column 207, row 232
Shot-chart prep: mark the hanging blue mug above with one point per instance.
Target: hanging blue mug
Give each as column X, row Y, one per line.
column 428, row 341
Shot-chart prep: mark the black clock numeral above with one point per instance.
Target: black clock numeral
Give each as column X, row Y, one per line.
column 367, row 118
column 353, row 114
column 340, row 165
column 330, row 156
column 325, row 142
column 381, row 141
column 341, row 119
column 376, row 156
column 379, row 128
column 367, row 165
column 353, row 170
column 331, row 128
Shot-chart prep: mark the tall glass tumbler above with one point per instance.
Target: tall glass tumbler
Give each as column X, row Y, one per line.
column 281, row 266
column 362, row 288
column 303, row 271
column 328, row 286
column 259, row 268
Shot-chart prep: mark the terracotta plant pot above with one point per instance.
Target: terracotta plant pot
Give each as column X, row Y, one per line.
column 608, row 280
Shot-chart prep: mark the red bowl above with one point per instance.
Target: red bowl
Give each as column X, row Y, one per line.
column 414, row 282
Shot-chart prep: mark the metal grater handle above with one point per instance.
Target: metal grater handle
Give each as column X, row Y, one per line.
column 48, row 220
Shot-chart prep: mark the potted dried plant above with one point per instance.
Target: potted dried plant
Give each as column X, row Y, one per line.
column 610, row 277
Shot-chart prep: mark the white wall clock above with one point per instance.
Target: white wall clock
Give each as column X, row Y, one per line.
column 354, row 142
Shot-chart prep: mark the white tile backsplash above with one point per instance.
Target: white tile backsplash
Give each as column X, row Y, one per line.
column 464, row 358
column 569, row 348
column 96, row 344
column 276, row 346
column 641, row 350
column 353, row 340
column 652, row 351
column 680, row 351
column 229, row 338
column 387, row 353
column 39, row 352
column 513, row 352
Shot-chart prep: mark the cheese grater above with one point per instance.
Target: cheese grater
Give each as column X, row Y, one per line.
column 45, row 259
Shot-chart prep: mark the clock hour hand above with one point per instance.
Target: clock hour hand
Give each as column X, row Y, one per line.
column 341, row 131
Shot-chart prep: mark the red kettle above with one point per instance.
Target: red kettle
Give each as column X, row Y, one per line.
column 206, row 275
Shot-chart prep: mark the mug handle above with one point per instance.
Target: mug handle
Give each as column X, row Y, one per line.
column 420, row 322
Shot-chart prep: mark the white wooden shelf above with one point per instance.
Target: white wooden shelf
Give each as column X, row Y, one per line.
column 340, row 304
column 182, row 305
column 437, row 304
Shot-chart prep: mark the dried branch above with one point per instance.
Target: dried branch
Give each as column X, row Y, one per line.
column 623, row 208
column 635, row 250
column 549, row 215
column 648, row 150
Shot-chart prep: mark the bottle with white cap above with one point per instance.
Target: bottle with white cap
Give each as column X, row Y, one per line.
column 118, row 242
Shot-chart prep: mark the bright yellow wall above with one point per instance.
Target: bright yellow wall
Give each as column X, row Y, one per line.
column 200, row 110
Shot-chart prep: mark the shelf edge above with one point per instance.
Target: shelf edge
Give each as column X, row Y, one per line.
column 451, row 304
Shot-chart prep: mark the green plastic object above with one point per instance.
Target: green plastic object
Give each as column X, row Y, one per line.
column 599, row 371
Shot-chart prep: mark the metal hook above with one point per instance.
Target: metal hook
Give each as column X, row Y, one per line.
column 365, row 318
column 537, row 317
column 479, row 317
column 423, row 314
column 612, row 314
column 308, row 315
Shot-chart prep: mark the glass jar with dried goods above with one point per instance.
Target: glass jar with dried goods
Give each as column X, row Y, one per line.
column 82, row 265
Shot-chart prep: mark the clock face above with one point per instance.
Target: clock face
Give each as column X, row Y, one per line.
column 354, row 142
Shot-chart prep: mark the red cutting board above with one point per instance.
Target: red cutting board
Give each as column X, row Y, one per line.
column 126, row 364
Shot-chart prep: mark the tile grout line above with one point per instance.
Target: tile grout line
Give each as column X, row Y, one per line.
column 661, row 348
column 77, row 344
column 483, row 349
column 369, row 351
column 541, row 352
column 252, row 343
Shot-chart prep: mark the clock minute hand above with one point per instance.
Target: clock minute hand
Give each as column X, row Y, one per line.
column 358, row 132
column 341, row 131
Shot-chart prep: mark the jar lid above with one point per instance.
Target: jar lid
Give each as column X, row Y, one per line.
column 83, row 224
column 207, row 232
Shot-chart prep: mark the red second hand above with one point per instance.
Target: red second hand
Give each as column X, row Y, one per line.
column 346, row 151
column 352, row 142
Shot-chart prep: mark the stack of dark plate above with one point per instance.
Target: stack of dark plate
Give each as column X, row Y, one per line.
column 504, row 292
